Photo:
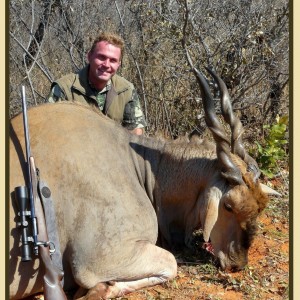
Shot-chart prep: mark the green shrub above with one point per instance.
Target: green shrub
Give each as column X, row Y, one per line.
column 272, row 151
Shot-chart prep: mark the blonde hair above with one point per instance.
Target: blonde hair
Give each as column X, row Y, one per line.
column 111, row 38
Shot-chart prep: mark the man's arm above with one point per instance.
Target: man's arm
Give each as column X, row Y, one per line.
column 133, row 118
column 56, row 94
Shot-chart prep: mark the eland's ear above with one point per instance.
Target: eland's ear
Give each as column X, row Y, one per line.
column 211, row 210
column 269, row 190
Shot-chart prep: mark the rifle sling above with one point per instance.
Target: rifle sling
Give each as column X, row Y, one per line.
column 50, row 219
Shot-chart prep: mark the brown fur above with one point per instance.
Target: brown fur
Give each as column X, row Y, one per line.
column 111, row 187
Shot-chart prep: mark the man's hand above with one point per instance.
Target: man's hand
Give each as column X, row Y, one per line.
column 137, row 131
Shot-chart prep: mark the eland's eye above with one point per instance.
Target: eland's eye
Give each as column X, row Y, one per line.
column 228, row 207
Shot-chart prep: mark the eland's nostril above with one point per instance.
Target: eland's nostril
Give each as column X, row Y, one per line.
column 235, row 269
column 238, row 267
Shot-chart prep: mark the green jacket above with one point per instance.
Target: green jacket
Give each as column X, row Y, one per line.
column 76, row 88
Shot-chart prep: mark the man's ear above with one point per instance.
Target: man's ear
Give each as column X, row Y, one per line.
column 88, row 56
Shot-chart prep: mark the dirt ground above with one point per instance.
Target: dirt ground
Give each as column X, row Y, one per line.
column 265, row 277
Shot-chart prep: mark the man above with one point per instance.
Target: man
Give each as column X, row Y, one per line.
column 99, row 85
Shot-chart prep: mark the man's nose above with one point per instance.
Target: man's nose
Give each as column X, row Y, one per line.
column 106, row 62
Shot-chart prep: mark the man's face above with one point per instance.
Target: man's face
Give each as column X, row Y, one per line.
column 104, row 62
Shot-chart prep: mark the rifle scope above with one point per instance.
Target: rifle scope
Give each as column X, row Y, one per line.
column 21, row 195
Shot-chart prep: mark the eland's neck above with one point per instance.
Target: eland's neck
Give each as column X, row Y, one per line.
column 174, row 175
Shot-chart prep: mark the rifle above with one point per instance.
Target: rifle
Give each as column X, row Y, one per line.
column 27, row 197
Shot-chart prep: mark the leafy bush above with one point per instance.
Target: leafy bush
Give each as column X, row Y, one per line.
column 272, row 150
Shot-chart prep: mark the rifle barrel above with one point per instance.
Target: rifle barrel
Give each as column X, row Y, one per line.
column 28, row 155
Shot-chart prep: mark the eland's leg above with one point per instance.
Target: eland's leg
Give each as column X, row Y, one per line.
column 153, row 266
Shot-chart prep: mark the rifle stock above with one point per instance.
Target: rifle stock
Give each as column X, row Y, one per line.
column 52, row 278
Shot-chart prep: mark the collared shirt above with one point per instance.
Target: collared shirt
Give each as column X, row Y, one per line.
column 101, row 95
